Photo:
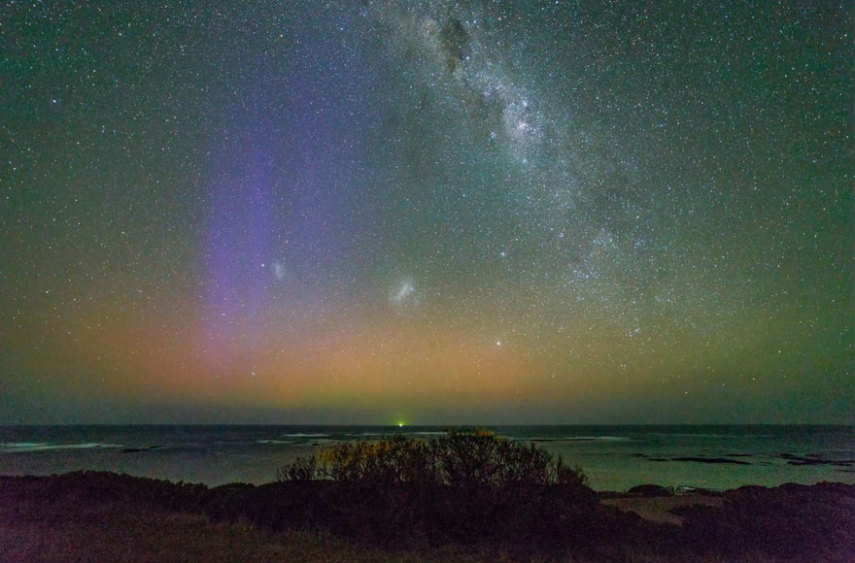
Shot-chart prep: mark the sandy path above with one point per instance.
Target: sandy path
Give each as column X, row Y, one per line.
column 657, row 509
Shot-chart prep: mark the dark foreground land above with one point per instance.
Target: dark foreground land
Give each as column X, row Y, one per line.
column 97, row 516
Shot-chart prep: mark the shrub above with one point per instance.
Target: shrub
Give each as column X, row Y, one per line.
column 468, row 486
column 462, row 458
column 303, row 469
column 796, row 522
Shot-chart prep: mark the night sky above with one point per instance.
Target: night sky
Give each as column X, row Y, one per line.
column 426, row 212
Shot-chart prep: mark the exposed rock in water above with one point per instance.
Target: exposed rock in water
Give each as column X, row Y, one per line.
column 815, row 459
column 138, row 450
column 651, row 491
column 711, row 460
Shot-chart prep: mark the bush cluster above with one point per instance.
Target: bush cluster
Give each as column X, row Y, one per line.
column 466, row 486
column 462, row 458
column 792, row 521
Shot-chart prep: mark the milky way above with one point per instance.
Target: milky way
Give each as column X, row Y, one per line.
column 437, row 212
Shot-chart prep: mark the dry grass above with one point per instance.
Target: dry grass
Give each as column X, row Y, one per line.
column 118, row 533
column 106, row 517
column 48, row 530
column 156, row 538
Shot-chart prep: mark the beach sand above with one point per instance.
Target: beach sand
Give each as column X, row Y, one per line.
column 658, row 509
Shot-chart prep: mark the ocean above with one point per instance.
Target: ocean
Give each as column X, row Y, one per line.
column 613, row 457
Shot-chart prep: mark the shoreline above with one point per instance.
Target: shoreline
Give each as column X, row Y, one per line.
column 614, row 458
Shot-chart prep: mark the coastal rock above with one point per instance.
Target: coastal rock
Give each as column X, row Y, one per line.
column 651, row 491
column 711, row 460
column 698, row 459
column 815, row 459
column 141, row 449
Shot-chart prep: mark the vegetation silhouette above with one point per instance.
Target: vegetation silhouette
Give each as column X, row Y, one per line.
column 462, row 458
column 468, row 485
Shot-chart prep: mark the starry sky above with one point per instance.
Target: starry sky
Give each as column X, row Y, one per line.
column 426, row 212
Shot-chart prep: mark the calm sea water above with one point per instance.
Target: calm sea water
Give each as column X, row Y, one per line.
column 613, row 457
